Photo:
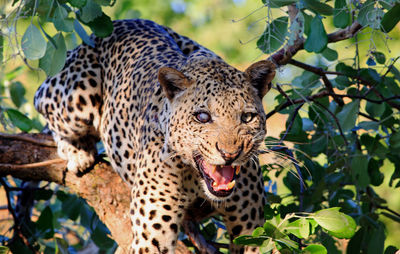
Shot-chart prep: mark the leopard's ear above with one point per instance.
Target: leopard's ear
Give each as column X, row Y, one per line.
column 172, row 81
column 261, row 74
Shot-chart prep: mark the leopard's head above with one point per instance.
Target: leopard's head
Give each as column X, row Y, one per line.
column 217, row 120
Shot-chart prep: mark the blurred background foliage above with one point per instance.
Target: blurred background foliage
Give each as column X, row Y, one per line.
column 236, row 30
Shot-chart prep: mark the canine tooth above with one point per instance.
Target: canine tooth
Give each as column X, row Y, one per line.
column 231, row 184
column 214, row 184
column 214, row 168
column 237, row 170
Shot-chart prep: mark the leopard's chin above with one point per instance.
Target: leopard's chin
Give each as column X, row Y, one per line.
column 219, row 179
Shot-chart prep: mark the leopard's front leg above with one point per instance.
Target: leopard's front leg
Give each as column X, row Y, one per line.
column 156, row 211
column 244, row 210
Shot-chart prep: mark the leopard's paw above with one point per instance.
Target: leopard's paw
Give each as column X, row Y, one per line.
column 79, row 159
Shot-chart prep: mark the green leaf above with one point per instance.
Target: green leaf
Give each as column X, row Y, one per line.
column 373, row 170
column 369, row 125
column 258, row 232
column 318, row 7
column 391, row 18
column 70, row 41
column 61, row 20
column 307, row 80
column 77, row 3
column 307, row 22
column 54, row 59
column 375, row 109
column 329, row 54
column 355, row 242
column 17, row 92
column 377, row 242
column 90, row 11
column 249, row 240
column 4, row 249
column 348, row 116
column 394, row 140
column 71, row 206
column 314, row 249
column 45, row 223
column 341, row 82
column 370, row 75
column 370, row 15
column 102, row 26
column 341, row 14
column 345, row 69
column 82, row 33
column 317, row 39
column 272, row 231
column 379, row 57
column 100, row 237
column 307, row 124
column 338, row 224
column 279, row 3
column 294, row 228
column 43, row 194
column 87, row 217
column 104, row 2
column 33, row 44
column 14, row 73
column 391, row 250
column 273, row 36
column 371, row 61
column 48, row 37
column 304, row 227
column 359, row 169
column 19, row 120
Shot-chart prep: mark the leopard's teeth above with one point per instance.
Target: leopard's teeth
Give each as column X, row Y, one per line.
column 214, row 184
column 214, row 168
column 237, row 170
column 231, row 184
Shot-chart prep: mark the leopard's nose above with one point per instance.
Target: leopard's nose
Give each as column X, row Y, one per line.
column 229, row 157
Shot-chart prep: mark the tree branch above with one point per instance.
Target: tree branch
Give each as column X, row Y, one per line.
column 33, row 157
column 284, row 55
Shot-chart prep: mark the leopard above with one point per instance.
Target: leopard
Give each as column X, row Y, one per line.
column 180, row 125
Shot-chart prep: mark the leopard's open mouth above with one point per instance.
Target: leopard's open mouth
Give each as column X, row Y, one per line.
column 220, row 179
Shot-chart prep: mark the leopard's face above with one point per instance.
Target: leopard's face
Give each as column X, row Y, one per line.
column 216, row 122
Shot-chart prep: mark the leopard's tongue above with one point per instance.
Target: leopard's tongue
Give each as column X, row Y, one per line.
column 222, row 176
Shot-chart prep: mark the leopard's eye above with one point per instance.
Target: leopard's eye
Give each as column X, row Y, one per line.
column 247, row 117
column 203, row 117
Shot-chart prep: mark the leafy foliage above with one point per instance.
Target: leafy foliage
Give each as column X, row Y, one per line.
column 275, row 234
column 343, row 123
column 66, row 17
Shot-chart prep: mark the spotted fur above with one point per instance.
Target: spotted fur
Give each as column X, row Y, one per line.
column 140, row 91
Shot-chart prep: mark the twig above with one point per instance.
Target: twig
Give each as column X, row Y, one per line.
column 336, row 121
column 17, row 224
column 35, row 141
column 9, row 206
column 197, row 239
column 367, row 116
column 284, row 55
column 278, row 87
column 321, row 72
column 291, row 121
column 388, row 209
column 390, row 67
column 31, row 165
column 288, row 103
